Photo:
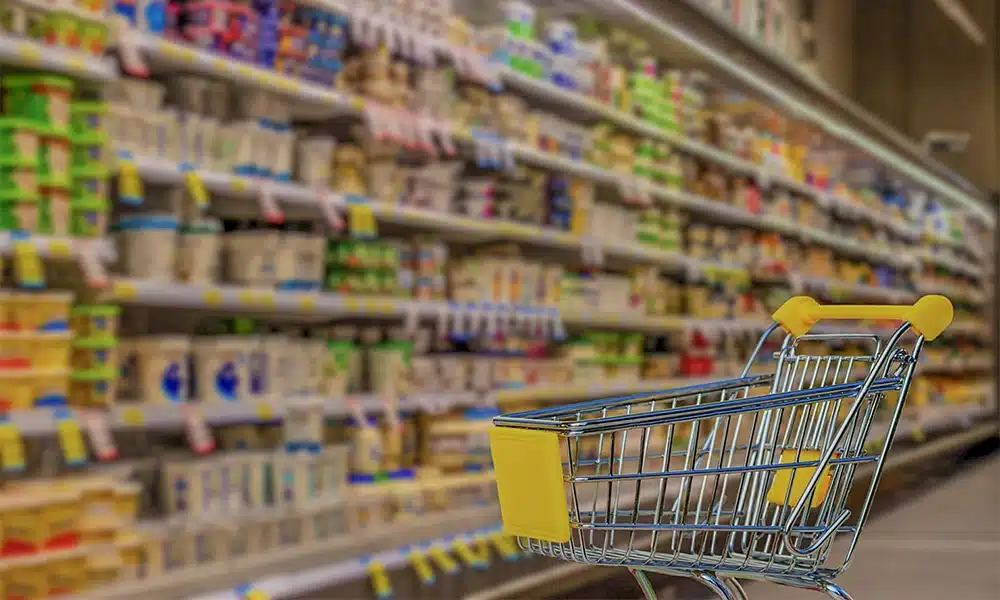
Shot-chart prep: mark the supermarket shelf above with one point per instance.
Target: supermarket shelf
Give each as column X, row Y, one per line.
column 34, row 55
column 307, row 562
column 159, row 171
column 950, row 263
column 168, row 417
column 312, row 305
column 65, row 248
column 777, row 79
column 299, row 581
column 193, row 60
column 544, row 90
column 958, row 365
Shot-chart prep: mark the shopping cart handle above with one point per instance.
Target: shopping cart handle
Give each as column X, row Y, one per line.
column 929, row 315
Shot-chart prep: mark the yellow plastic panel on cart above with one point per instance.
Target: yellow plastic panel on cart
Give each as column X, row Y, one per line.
column 930, row 315
column 783, row 480
column 530, row 483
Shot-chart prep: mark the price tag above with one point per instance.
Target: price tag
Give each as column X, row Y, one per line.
column 592, row 252
column 248, row 592
column 267, row 299
column 11, row 447
column 268, row 206
column 380, row 581
column 27, row 266
column 328, row 206
column 59, row 248
column 421, row 567
column 99, row 434
column 361, row 219
column 195, row 187
column 70, row 436
column 918, row 435
column 505, row 546
column 468, row 556
column 128, row 48
column 212, row 297
column 133, row 416
column 443, row 560
column 124, row 290
column 89, row 258
column 264, row 412
column 199, row 436
column 129, row 183
column 307, row 303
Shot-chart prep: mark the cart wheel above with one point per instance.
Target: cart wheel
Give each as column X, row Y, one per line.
column 647, row 588
column 718, row 586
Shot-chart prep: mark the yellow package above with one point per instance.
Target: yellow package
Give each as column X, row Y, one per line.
column 66, row 575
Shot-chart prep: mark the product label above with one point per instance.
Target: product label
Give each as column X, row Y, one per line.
column 227, row 382
column 172, row 383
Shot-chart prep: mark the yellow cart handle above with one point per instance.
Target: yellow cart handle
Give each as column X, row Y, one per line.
column 929, row 315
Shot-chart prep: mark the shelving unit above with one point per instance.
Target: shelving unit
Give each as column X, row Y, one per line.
column 522, row 338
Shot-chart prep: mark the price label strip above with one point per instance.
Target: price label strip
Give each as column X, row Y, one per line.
column 70, row 436
column 99, row 434
column 28, row 269
column 129, row 183
column 421, row 567
column 11, row 446
column 195, row 187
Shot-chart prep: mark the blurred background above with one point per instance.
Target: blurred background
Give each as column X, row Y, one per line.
column 272, row 268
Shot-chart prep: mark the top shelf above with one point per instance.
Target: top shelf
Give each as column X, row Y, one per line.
column 703, row 39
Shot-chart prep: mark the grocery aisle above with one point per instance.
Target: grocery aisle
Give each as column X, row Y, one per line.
column 945, row 544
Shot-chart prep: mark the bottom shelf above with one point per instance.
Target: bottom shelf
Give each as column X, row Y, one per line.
column 525, row 578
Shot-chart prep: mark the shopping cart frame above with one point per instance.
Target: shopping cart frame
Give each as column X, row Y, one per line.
column 540, row 486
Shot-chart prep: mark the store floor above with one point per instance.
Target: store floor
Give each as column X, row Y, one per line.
column 943, row 545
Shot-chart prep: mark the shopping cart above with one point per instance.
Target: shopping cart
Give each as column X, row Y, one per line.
column 745, row 478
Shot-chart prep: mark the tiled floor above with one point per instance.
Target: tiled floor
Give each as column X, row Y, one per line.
column 943, row 546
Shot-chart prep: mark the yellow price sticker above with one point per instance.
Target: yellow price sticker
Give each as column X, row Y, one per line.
column 380, row 581
column 239, row 184
column 266, row 299
column 213, row 297
column 76, row 64
column 352, row 305
column 123, row 290
column 307, row 303
column 421, row 567
column 378, row 306
column 196, row 189
column 357, row 103
column 918, row 435
column 133, row 416
column 60, row 248
column 246, row 298
column 219, row 65
column 245, row 71
column 29, row 53
column 264, row 412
